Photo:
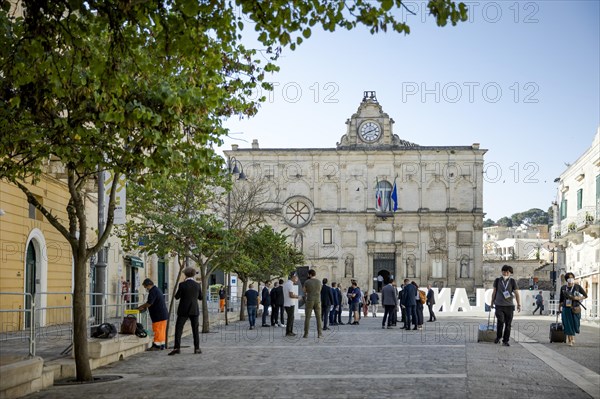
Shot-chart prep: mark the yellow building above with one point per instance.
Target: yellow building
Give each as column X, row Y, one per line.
column 35, row 258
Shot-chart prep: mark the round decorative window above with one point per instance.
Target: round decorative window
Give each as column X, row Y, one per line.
column 297, row 211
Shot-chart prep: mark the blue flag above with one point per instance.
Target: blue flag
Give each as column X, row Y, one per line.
column 395, row 197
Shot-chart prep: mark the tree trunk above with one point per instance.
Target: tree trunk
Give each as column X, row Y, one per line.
column 80, row 333
column 205, row 317
column 244, row 288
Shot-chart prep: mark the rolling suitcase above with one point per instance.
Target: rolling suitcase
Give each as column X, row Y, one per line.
column 487, row 332
column 557, row 332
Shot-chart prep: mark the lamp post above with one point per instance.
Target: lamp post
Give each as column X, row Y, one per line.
column 233, row 170
column 100, row 266
column 553, row 276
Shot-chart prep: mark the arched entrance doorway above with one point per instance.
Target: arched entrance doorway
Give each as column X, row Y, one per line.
column 35, row 278
column 383, row 278
column 384, row 265
column 32, row 281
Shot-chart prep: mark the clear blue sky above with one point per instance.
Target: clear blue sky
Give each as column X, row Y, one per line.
column 442, row 87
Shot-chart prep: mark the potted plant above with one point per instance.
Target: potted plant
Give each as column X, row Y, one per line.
column 589, row 218
column 572, row 226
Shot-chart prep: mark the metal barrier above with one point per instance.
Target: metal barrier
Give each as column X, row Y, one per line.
column 25, row 319
column 590, row 313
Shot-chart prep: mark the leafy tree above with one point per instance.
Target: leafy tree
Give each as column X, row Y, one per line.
column 530, row 217
column 175, row 215
column 132, row 86
column 259, row 254
column 488, row 223
column 504, row 221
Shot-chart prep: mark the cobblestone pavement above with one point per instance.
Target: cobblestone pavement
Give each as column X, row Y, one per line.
column 442, row 361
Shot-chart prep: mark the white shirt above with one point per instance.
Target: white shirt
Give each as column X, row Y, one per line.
column 287, row 288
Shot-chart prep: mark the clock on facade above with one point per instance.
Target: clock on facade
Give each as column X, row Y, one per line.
column 370, row 131
column 297, row 211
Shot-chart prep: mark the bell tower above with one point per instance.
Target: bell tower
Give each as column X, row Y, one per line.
column 370, row 127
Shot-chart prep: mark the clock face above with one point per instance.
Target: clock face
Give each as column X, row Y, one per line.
column 370, row 131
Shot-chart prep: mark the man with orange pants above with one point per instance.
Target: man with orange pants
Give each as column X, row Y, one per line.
column 158, row 313
column 222, row 296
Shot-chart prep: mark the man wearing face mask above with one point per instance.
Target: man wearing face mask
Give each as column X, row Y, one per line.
column 158, row 313
column 505, row 288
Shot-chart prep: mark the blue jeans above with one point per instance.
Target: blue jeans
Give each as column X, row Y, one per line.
column 252, row 315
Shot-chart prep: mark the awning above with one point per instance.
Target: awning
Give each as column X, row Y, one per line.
column 134, row 261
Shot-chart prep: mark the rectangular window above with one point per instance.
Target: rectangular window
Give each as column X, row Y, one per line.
column 327, row 236
column 563, row 209
column 31, row 211
column 579, row 198
column 34, row 213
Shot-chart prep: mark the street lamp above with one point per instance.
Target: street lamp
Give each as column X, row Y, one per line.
column 553, row 275
column 233, row 170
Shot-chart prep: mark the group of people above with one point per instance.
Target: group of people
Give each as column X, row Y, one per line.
column 327, row 303
column 189, row 293
column 408, row 301
column 506, row 291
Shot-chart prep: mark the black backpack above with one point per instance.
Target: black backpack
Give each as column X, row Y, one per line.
column 105, row 330
column 140, row 331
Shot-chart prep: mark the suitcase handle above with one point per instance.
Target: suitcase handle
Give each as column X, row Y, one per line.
column 494, row 322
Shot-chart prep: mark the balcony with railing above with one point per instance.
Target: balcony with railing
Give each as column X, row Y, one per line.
column 571, row 228
column 588, row 220
column 566, row 231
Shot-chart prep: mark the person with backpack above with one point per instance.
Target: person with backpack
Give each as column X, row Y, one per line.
column 505, row 290
column 158, row 314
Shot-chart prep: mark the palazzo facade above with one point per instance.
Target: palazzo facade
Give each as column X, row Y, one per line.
column 377, row 205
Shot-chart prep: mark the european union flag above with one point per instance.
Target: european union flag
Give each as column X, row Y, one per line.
column 395, row 197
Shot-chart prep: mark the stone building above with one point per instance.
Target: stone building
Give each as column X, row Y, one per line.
column 377, row 204
column 577, row 227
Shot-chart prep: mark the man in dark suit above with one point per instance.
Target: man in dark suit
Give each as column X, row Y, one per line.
column 336, row 304
column 272, row 298
column 430, row 303
column 277, row 305
column 340, row 299
column 188, row 293
column 389, row 299
column 266, row 302
column 409, row 300
column 326, row 303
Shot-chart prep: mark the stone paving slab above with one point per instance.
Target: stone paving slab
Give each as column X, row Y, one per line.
column 442, row 361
